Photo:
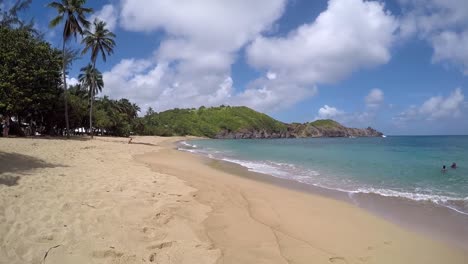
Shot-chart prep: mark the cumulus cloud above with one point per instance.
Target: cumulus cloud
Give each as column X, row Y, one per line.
column 72, row 81
column 374, row 98
column 202, row 40
column 349, row 35
column 436, row 107
column 271, row 75
column 352, row 119
column 329, row 112
column 109, row 14
column 192, row 64
column 443, row 24
column 452, row 47
column 160, row 86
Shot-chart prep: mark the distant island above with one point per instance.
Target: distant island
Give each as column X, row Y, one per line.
column 240, row 122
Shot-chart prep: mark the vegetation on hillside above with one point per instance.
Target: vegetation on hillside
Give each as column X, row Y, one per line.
column 205, row 121
column 325, row 123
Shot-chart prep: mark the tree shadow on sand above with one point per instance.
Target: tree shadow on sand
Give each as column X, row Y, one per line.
column 13, row 163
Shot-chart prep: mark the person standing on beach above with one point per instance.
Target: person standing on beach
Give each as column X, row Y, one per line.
column 6, row 125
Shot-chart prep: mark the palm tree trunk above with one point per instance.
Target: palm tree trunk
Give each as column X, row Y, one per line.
column 65, row 90
column 93, row 83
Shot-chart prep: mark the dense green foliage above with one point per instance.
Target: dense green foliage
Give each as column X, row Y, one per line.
column 29, row 75
column 32, row 77
column 205, row 121
column 112, row 117
column 325, row 123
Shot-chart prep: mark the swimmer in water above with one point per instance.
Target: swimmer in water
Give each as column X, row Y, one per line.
column 444, row 169
column 454, row 166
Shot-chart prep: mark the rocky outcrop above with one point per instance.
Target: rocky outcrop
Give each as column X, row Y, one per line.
column 297, row 130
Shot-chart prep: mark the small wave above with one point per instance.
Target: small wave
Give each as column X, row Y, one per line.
column 452, row 203
column 310, row 177
column 187, row 144
column 259, row 167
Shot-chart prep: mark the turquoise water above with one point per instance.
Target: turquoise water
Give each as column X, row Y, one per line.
column 399, row 166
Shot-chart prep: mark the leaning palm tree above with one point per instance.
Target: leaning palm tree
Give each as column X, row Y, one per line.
column 91, row 79
column 73, row 13
column 100, row 40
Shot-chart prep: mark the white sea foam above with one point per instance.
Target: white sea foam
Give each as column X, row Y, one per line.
column 187, row 144
column 442, row 200
column 311, row 177
column 259, row 167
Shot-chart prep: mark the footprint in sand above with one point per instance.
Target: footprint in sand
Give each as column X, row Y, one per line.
column 163, row 217
column 152, row 257
column 337, row 260
column 107, row 254
column 161, row 245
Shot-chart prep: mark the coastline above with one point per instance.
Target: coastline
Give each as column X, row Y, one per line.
column 428, row 218
column 107, row 201
column 256, row 219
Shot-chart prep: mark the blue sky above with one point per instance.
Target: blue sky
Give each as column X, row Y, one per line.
column 400, row 66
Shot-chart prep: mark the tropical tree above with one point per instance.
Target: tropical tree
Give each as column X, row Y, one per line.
column 10, row 18
column 73, row 14
column 99, row 40
column 30, row 73
column 91, row 79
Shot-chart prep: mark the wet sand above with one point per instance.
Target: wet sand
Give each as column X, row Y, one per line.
column 437, row 222
column 256, row 219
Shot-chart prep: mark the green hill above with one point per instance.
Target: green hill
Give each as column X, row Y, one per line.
column 325, row 123
column 237, row 122
column 207, row 122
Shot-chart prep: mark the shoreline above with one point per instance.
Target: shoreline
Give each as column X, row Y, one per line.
column 107, row 201
column 259, row 217
column 425, row 217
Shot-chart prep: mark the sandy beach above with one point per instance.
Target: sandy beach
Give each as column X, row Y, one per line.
column 106, row 201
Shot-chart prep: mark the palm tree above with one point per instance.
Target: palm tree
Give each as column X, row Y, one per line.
column 73, row 12
column 91, row 78
column 101, row 40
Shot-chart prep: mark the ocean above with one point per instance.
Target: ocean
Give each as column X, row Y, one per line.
column 407, row 167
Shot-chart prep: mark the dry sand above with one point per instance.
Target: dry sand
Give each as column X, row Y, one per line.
column 105, row 201
column 96, row 204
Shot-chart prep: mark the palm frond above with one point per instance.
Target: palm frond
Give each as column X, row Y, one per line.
column 57, row 20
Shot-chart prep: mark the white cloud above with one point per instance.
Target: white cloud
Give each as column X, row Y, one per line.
column 351, row 119
column 349, row 35
column 273, row 94
column 443, row 24
column 108, row 14
column 453, row 47
column 271, row 75
column 160, row 86
column 211, row 28
column 72, row 81
column 329, row 112
column 374, row 98
column 436, row 107
column 192, row 64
